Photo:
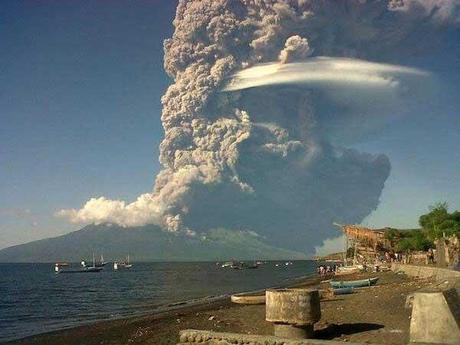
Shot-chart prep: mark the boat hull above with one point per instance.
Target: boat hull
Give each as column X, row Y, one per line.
column 343, row 291
column 92, row 270
column 248, row 298
column 354, row 283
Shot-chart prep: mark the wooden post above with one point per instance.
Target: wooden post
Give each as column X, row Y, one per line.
column 346, row 249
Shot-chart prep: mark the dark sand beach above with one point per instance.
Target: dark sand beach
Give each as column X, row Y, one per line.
column 374, row 314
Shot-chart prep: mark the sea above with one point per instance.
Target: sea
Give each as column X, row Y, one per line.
column 34, row 300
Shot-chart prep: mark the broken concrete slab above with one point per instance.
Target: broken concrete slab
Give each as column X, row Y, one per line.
column 191, row 337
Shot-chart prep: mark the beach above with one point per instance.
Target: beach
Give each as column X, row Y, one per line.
column 375, row 314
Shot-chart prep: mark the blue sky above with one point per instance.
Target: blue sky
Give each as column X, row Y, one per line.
column 80, row 89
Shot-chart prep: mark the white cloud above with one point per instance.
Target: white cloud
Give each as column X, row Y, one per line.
column 326, row 73
column 331, row 245
column 99, row 210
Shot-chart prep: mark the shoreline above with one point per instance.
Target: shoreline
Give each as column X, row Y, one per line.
column 374, row 314
column 165, row 310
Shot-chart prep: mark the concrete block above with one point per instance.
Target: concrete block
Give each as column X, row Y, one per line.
column 293, row 312
column 293, row 306
column 435, row 317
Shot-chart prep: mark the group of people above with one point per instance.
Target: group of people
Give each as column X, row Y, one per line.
column 326, row 269
column 395, row 257
column 406, row 258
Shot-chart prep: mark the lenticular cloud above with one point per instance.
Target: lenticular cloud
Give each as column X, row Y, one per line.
column 248, row 142
column 326, row 73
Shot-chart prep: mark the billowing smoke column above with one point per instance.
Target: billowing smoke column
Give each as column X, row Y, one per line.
column 265, row 158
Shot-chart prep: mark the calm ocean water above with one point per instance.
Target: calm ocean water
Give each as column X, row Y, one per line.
column 33, row 299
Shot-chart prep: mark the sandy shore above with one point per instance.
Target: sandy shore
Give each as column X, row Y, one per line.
column 374, row 314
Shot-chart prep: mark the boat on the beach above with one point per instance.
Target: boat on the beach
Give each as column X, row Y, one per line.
column 354, row 283
column 344, row 270
column 343, row 291
column 248, row 298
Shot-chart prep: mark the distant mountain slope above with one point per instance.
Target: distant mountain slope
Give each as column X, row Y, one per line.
column 146, row 243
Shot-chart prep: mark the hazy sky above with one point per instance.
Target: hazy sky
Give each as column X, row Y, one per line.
column 80, row 88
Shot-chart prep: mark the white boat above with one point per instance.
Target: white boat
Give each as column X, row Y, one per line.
column 349, row 269
column 127, row 264
column 86, row 269
column 123, row 264
column 101, row 263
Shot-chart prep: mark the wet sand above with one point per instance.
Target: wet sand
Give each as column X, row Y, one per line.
column 373, row 314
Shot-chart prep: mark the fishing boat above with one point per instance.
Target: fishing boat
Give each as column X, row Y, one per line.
column 354, row 283
column 127, row 264
column 101, row 263
column 83, row 270
column 227, row 264
column 237, row 265
column 343, row 291
column 244, row 265
column 123, row 264
column 87, row 269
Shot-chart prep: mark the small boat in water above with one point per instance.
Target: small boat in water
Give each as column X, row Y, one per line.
column 354, row 283
column 343, row 291
column 122, row 264
column 101, row 263
column 86, row 269
column 240, row 265
column 82, row 270
column 244, row 265
column 227, row 264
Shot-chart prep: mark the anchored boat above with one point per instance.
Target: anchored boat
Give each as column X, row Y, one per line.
column 101, row 263
column 122, row 264
column 87, row 269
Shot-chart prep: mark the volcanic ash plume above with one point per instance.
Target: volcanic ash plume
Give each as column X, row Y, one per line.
column 263, row 156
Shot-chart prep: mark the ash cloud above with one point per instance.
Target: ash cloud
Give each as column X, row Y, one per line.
column 262, row 159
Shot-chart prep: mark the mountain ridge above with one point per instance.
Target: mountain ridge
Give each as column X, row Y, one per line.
column 146, row 243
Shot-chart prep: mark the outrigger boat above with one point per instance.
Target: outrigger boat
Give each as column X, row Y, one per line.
column 354, row 283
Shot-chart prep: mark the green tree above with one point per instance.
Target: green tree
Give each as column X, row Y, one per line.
column 439, row 221
column 414, row 240
column 392, row 234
